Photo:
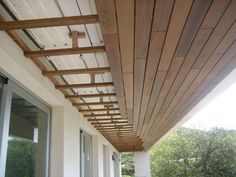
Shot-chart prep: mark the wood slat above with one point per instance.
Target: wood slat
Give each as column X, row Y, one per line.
column 48, row 22
column 91, row 95
column 186, row 85
column 96, row 125
column 95, row 103
column 217, row 35
column 115, row 126
column 195, row 18
column 66, row 51
column 100, row 115
column 162, row 14
column 98, row 110
column 113, row 122
column 106, row 119
column 221, row 70
column 138, row 87
column 143, row 22
column 76, row 71
column 179, row 15
column 89, row 85
column 116, row 131
column 196, row 48
column 125, row 20
column 106, row 10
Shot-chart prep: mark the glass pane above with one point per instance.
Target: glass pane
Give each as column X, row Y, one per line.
column 27, row 140
column 1, row 86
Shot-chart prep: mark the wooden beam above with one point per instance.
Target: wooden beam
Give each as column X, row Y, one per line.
column 106, row 123
column 116, row 134
column 94, row 103
column 99, row 115
column 117, row 131
column 65, row 51
column 68, row 86
column 129, row 131
column 137, row 143
column 115, row 126
column 76, row 71
column 48, row 22
column 98, row 110
column 75, row 37
column 105, row 119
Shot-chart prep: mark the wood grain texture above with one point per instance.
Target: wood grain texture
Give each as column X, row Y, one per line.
column 91, row 95
column 48, row 22
column 67, row 51
column 89, row 85
column 179, row 15
column 76, row 71
column 195, row 18
column 107, row 18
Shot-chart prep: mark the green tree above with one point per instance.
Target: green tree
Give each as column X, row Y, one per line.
column 127, row 164
column 196, row 153
column 20, row 158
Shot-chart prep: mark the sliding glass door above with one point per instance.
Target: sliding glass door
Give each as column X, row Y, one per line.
column 85, row 154
column 24, row 134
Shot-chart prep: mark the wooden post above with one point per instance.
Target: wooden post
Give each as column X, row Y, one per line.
column 75, row 35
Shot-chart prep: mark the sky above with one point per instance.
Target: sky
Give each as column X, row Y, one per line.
column 221, row 112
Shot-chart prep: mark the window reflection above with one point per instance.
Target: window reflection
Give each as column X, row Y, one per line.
column 26, row 155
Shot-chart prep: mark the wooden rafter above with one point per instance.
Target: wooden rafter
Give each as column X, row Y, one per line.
column 68, row 86
column 115, row 126
column 117, row 131
column 109, row 124
column 101, row 124
column 113, row 122
column 76, row 71
column 92, row 96
column 48, row 22
column 119, row 134
column 106, row 119
column 101, row 115
column 95, row 103
column 129, row 143
column 66, row 51
column 98, row 110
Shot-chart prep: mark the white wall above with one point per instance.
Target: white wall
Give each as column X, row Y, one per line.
column 66, row 120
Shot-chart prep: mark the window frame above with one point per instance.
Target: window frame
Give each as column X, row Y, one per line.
column 5, row 111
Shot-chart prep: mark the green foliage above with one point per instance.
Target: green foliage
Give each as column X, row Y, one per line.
column 196, row 153
column 127, row 164
column 20, row 158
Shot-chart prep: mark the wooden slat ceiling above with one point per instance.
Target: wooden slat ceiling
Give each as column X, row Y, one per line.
column 164, row 57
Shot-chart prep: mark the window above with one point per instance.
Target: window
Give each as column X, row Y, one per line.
column 24, row 134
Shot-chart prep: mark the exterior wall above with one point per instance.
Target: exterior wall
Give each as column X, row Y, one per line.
column 66, row 120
